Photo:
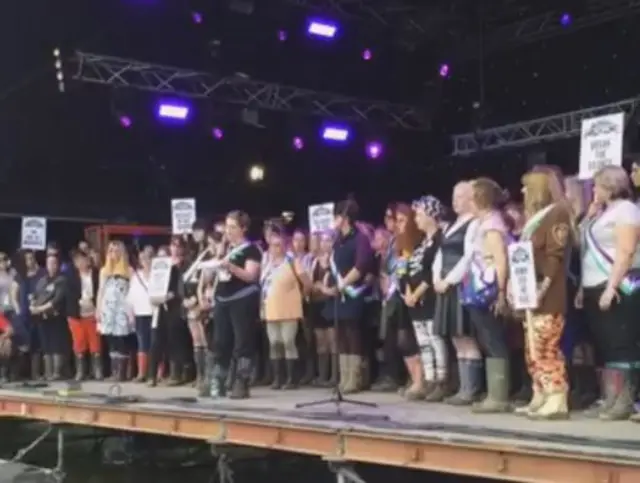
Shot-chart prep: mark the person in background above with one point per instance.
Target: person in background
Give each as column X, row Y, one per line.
column 237, row 308
column 141, row 311
column 283, row 284
column 163, row 251
column 112, row 309
column 94, row 256
column 83, row 246
column 10, row 308
column 205, row 294
column 6, row 349
column 31, row 273
column 53, row 249
column 48, row 307
column 81, row 297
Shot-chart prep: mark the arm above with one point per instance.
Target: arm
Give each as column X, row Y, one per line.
column 59, row 290
column 555, row 251
column 363, row 258
column 436, row 268
column 250, row 273
column 495, row 247
column 626, row 240
column 101, row 281
column 458, row 272
column 14, row 295
column 303, row 276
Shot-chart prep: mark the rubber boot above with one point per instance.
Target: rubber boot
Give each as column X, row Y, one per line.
column 231, row 374
column 470, row 374
column 143, row 366
column 417, row 389
column 36, row 367
column 277, row 370
column 218, row 384
column 204, row 390
column 365, row 374
column 200, row 361
column 96, row 367
column 354, row 380
column 609, row 387
column 497, row 400
column 345, row 371
column 290, row 381
column 116, row 362
column 4, row 370
column 174, row 375
column 534, row 405
column 57, row 367
column 81, row 368
column 555, row 407
column 267, row 373
column 334, row 378
column 622, row 407
column 240, row 388
column 256, row 367
column 309, row 369
column 438, row 392
column 123, row 370
column 324, row 368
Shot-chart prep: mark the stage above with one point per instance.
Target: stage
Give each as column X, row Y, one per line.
column 396, row 433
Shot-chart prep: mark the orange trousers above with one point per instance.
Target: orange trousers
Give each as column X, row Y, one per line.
column 84, row 332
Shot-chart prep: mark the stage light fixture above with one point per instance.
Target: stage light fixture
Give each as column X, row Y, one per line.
column 335, row 133
column 197, row 17
column 322, row 28
column 256, row 173
column 59, row 72
column 282, row 35
column 374, row 150
column 444, row 70
column 565, row 19
column 367, row 54
column 176, row 111
column 125, row 121
column 298, row 143
column 217, row 133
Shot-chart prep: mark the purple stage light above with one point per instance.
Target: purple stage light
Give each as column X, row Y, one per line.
column 196, row 17
column 282, row 35
column 217, row 133
column 125, row 121
column 374, row 150
column 444, row 70
column 565, row 19
column 335, row 133
column 173, row 111
column 321, row 28
column 367, row 54
column 298, row 143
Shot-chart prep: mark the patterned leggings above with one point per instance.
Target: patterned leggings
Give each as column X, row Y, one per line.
column 543, row 355
column 433, row 351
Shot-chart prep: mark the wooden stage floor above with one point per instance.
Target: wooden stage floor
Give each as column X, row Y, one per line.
column 399, row 433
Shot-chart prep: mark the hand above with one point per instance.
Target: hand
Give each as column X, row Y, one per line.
column 410, row 300
column 607, row 298
column 205, row 305
column 541, row 293
column 340, row 285
column 169, row 296
column 225, row 264
column 578, row 302
column 34, row 310
column 501, row 307
column 330, row 291
column 441, row 286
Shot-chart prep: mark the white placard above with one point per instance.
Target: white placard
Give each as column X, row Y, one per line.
column 183, row 215
column 522, row 273
column 321, row 217
column 33, row 233
column 601, row 143
column 159, row 277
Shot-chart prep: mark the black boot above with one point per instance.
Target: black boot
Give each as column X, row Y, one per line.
column 174, row 374
column 123, row 369
column 584, row 385
column 4, row 370
column 96, row 367
column 240, row 388
column 57, row 367
column 218, row 383
column 324, row 370
column 334, row 378
column 290, row 382
column 278, row 376
column 309, row 369
column 36, row 367
column 81, row 368
column 204, row 389
column 231, row 375
column 200, row 360
column 116, row 362
column 48, row 367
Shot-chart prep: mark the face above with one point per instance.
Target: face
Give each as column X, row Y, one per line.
column 380, row 242
column 198, row 235
column 52, row 264
column 30, row 260
column 145, row 259
column 326, row 244
column 114, row 252
column 163, row 252
column 83, row 246
column 401, row 222
column 267, row 232
column 232, row 229
column 423, row 221
column 389, row 221
column 81, row 263
column 176, row 250
column 298, row 242
column 52, row 252
column 277, row 246
column 4, row 262
column 338, row 222
column 314, row 243
column 461, row 198
column 600, row 193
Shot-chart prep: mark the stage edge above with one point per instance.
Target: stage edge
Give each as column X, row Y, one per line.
column 506, row 463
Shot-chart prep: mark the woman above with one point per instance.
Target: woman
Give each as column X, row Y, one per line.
column 112, row 309
column 419, row 296
column 283, row 285
column 47, row 306
column 610, row 262
column 451, row 319
column 548, row 229
column 324, row 331
column 82, row 292
column 237, row 307
column 31, row 274
column 484, row 292
column 10, row 305
column 407, row 239
column 141, row 311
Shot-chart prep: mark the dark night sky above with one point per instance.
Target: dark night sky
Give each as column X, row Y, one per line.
column 66, row 154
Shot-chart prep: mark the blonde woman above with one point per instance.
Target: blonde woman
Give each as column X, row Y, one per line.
column 112, row 307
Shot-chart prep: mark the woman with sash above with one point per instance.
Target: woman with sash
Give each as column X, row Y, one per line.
column 548, row 229
column 610, row 287
column 237, row 309
column 282, row 285
column 407, row 240
column 348, row 264
column 112, row 309
column 420, row 298
column 484, row 292
column 451, row 319
column 324, row 331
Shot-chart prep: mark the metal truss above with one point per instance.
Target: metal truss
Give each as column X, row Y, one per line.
column 238, row 89
column 520, row 134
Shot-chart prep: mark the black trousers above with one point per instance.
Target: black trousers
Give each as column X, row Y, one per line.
column 490, row 331
column 169, row 340
column 234, row 329
column 53, row 333
column 616, row 332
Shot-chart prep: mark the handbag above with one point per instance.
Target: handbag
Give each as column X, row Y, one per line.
column 479, row 287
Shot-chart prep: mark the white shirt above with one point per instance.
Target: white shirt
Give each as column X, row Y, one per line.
column 619, row 212
column 138, row 296
column 86, row 284
column 457, row 273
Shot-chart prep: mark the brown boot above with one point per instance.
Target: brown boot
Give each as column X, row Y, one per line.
column 417, row 390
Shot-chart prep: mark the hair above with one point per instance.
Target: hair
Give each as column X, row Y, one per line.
column 407, row 241
column 392, row 207
column 78, row 254
column 348, row 209
column 582, row 189
column 615, row 180
column 366, row 229
column 508, row 218
column 119, row 268
column 241, row 218
column 487, row 194
column 538, row 191
column 555, row 179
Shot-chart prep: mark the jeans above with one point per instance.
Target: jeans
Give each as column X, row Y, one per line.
column 143, row 332
column 234, row 326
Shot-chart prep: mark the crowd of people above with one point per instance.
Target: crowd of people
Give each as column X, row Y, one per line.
column 421, row 305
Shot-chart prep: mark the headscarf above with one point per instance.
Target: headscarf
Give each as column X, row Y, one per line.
column 431, row 206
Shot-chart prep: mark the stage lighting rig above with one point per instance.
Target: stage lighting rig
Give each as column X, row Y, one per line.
column 59, row 65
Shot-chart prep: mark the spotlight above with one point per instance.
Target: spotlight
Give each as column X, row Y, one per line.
column 196, row 17
column 298, row 143
column 322, row 28
column 565, row 19
column 125, row 121
column 217, row 133
column 374, row 150
column 444, row 70
column 367, row 54
column 256, row 173
column 335, row 133
column 174, row 111
column 282, row 35
column 59, row 72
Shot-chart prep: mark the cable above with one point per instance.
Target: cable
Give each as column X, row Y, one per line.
column 27, row 449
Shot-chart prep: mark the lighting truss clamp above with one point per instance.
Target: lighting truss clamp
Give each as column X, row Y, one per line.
column 520, row 134
column 237, row 89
